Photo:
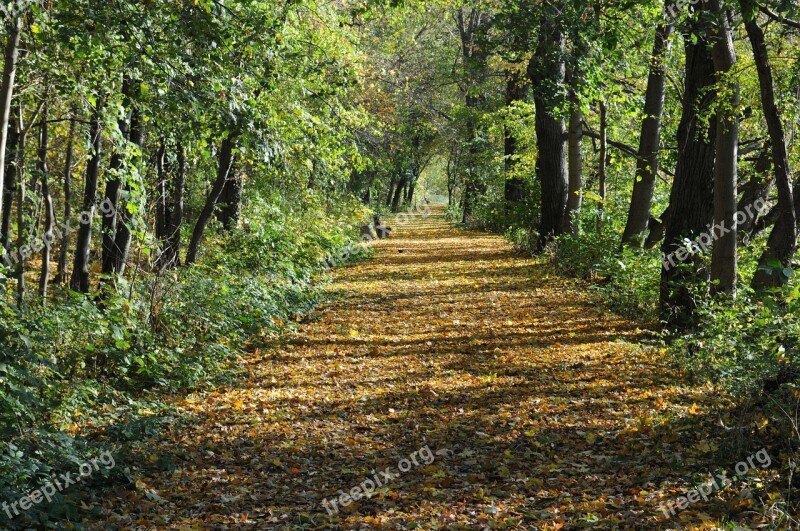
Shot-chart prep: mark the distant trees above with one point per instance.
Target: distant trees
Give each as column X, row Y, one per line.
column 517, row 143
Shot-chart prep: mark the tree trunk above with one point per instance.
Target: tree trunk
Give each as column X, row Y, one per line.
column 161, row 193
column 10, row 184
column 398, row 194
column 468, row 198
column 756, row 191
column 80, row 267
column 230, row 201
column 177, row 193
column 471, row 25
column 724, row 260
column 64, row 251
column 122, row 241
column 390, row 195
column 473, row 184
column 649, row 140
column 782, row 242
column 10, row 59
column 602, row 171
column 226, row 161
column 113, row 186
column 575, row 171
column 692, row 198
column 547, row 70
column 49, row 214
column 412, row 186
column 21, row 250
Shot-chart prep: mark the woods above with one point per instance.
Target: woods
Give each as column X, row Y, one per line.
column 180, row 179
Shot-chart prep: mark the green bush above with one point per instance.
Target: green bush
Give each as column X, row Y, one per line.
column 75, row 360
column 628, row 279
column 746, row 344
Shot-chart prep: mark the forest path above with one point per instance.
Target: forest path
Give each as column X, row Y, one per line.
column 540, row 408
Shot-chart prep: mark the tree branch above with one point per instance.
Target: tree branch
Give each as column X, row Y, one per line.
column 779, row 18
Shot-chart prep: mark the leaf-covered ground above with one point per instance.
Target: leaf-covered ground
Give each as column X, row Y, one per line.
column 541, row 408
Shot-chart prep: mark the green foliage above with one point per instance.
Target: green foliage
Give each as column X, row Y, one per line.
column 748, row 344
column 628, row 279
column 66, row 362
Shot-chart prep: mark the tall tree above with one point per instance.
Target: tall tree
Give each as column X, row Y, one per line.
column 10, row 183
column 47, row 200
column 547, row 72
column 80, row 280
column 782, row 242
column 724, row 257
column 10, row 59
column 68, row 163
column 574, row 167
column 226, row 160
column 649, row 139
column 114, row 182
column 472, row 23
column 692, row 196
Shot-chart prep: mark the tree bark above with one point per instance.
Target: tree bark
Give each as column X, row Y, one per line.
column 412, row 186
column 68, row 161
column 574, row 171
column 602, row 172
column 161, row 193
column 398, row 193
column 755, row 191
column 80, row 267
column 649, row 140
column 390, row 195
column 547, row 71
column 692, row 198
column 471, row 25
column 230, row 201
column 113, row 186
column 226, row 160
column 10, row 59
column 21, row 254
column 10, row 184
column 122, row 241
column 49, row 214
column 782, row 242
column 177, row 193
column 724, row 259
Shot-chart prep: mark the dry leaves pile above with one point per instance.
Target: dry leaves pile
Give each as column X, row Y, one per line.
column 545, row 409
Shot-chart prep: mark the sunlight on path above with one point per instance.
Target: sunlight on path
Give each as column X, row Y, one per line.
column 541, row 408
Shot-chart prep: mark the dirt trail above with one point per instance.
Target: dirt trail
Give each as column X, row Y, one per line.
column 541, row 409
